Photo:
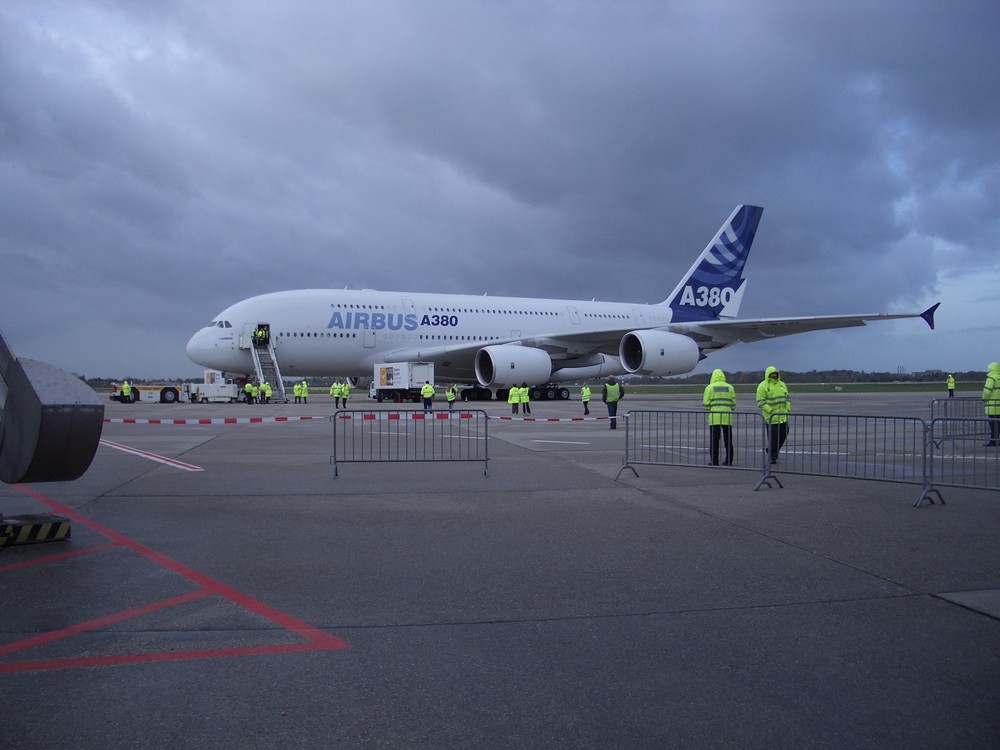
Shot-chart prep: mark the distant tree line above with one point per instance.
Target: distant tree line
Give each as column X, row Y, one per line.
column 824, row 376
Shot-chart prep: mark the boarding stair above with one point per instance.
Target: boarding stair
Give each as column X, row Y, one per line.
column 266, row 365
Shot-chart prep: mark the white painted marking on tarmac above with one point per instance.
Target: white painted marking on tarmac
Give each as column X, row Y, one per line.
column 152, row 456
column 562, row 442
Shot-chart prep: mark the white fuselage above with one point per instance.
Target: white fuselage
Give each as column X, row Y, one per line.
column 344, row 332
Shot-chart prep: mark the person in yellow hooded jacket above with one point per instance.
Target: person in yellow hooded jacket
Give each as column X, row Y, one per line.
column 991, row 403
column 774, row 404
column 514, row 398
column 720, row 400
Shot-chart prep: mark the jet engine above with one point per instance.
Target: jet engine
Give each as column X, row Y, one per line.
column 651, row 352
column 507, row 364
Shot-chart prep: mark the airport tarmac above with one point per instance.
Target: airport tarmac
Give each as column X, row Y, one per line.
column 221, row 589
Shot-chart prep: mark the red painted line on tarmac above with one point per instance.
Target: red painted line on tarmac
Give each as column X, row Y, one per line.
column 315, row 639
column 55, row 558
column 83, row 627
column 151, row 658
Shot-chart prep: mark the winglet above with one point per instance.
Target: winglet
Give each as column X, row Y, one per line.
column 928, row 314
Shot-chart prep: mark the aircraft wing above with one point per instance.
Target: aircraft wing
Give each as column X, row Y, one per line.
column 457, row 361
column 716, row 334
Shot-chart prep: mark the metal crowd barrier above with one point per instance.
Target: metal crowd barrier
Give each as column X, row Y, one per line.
column 966, row 462
column 410, row 436
column 884, row 449
column 957, row 412
column 963, row 407
column 888, row 449
column 682, row 438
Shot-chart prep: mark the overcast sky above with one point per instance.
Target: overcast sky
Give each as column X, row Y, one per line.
column 160, row 161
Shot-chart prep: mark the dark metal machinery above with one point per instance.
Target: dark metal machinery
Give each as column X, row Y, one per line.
column 50, row 421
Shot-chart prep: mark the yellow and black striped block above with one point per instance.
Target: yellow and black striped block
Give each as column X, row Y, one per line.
column 43, row 527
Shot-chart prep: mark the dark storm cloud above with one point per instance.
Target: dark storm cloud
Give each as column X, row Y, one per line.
column 160, row 161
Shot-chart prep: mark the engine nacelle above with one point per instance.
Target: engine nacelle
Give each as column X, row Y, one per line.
column 509, row 364
column 657, row 353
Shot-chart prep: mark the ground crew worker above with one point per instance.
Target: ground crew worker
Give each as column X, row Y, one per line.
column 611, row 394
column 513, row 398
column 427, row 394
column 991, row 402
column 345, row 391
column 297, row 390
column 774, row 404
column 335, row 392
column 585, row 398
column 248, row 391
column 451, row 394
column 524, row 396
column 304, row 391
column 255, row 393
column 951, row 386
column 265, row 389
column 126, row 397
column 720, row 400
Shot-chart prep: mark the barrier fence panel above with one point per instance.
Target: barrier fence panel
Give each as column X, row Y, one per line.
column 410, row 436
column 683, row 438
column 969, row 462
column 947, row 452
column 954, row 411
column 890, row 449
column 966, row 407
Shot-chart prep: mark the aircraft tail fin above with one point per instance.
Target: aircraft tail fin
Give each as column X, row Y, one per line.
column 713, row 287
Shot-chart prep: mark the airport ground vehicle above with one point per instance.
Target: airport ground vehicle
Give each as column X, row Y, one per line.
column 400, row 381
column 215, row 389
column 226, row 392
column 171, row 393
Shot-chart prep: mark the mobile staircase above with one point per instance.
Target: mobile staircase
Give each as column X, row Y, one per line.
column 266, row 365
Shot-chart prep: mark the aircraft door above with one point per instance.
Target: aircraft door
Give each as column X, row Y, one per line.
column 246, row 338
column 574, row 316
column 369, row 339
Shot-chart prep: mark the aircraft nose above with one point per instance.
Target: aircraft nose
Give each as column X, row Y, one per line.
column 196, row 348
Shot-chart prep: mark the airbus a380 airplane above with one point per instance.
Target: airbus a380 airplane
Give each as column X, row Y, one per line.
column 500, row 341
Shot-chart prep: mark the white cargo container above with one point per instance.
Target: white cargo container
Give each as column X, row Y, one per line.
column 400, row 381
column 216, row 393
